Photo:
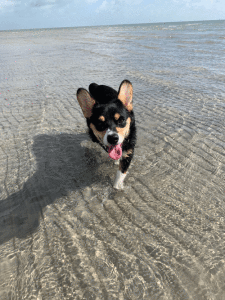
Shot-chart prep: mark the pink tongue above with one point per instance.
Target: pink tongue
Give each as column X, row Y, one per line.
column 115, row 152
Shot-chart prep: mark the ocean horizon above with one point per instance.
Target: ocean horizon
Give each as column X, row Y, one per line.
column 120, row 25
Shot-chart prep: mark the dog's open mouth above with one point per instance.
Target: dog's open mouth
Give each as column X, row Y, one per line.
column 115, row 151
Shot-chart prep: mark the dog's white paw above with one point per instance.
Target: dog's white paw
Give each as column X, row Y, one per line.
column 118, row 183
column 118, row 186
column 116, row 162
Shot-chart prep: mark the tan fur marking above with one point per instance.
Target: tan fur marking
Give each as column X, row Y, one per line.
column 116, row 116
column 102, row 118
column 130, row 151
column 99, row 134
column 126, row 95
column 124, row 132
column 86, row 102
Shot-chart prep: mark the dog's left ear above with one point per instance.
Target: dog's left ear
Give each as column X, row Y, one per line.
column 86, row 102
column 125, row 94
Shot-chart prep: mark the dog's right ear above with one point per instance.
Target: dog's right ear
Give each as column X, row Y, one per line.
column 86, row 102
column 125, row 94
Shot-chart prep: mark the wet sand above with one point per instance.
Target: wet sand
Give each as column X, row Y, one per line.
column 65, row 233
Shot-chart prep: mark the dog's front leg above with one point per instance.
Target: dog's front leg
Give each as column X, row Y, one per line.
column 123, row 167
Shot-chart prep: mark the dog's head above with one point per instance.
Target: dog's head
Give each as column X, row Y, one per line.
column 107, row 111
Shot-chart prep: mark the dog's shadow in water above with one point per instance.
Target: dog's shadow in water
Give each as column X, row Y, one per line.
column 62, row 165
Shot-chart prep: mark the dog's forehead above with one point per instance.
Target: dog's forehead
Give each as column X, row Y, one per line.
column 111, row 109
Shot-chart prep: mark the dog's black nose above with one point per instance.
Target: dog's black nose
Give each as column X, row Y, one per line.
column 113, row 138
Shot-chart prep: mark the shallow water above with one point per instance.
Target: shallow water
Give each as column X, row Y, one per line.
column 65, row 233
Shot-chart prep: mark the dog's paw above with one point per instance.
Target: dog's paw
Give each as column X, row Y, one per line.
column 118, row 186
column 118, row 183
column 116, row 162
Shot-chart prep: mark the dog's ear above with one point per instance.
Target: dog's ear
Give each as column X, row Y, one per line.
column 86, row 102
column 125, row 94
column 102, row 94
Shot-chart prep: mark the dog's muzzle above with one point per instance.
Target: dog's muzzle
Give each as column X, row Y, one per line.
column 111, row 138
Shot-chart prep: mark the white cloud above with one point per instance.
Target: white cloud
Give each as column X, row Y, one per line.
column 66, row 13
column 90, row 1
column 41, row 3
column 5, row 3
column 134, row 2
column 214, row 5
column 117, row 5
column 103, row 6
column 197, row 3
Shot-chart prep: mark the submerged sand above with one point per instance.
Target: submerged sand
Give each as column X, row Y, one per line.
column 65, row 233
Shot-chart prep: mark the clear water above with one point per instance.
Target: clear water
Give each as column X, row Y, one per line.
column 64, row 232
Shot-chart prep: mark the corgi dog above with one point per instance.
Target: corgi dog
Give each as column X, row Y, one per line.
column 111, row 122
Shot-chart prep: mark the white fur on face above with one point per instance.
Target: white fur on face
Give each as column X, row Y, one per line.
column 109, row 132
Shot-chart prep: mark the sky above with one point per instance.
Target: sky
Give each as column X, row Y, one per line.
column 28, row 14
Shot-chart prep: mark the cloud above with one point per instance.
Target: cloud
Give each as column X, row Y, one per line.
column 6, row 4
column 90, row 1
column 103, row 6
column 45, row 3
column 39, row 3
column 9, row 6
column 216, row 6
column 117, row 5
column 198, row 3
column 68, row 13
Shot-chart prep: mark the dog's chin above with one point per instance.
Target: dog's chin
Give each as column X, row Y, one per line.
column 109, row 145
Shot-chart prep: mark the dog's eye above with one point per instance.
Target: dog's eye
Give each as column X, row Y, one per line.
column 100, row 126
column 121, row 121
